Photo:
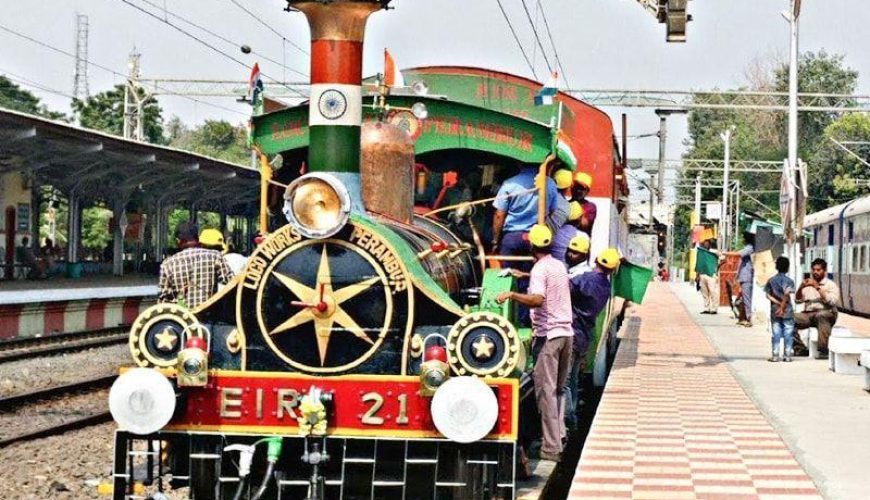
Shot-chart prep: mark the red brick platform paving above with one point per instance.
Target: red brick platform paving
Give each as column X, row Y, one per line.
column 674, row 423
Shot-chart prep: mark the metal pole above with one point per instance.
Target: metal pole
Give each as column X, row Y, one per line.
column 723, row 220
column 791, row 248
column 737, row 212
column 698, row 197
column 663, row 140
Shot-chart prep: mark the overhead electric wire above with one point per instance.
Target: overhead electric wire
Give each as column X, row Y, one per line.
column 517, row 39
column 27, row 82
column 537, row 37
column 218, row 35
column 110, row 70
column 553, row 45
column 207, row 44
column 270, row 28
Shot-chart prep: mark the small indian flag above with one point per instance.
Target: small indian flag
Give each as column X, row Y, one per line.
column 392, row 76
column 564, row 151
column 545, row 96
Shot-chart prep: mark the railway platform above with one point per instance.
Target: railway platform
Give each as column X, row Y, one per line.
column 692, row 409
column 59, row 305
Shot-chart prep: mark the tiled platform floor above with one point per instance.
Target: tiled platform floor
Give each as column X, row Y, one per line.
column 674, row 423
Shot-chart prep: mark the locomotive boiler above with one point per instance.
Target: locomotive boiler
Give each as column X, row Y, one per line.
column 359, row 355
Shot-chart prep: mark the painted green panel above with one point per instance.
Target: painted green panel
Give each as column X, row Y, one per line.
column 334, row 149
column 450, row 125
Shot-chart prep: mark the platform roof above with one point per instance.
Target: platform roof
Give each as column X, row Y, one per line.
column 104, row 167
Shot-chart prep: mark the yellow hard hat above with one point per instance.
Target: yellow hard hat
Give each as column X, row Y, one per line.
column 575, row 210
column 583, row 179
column 211, row 238
column 563, row 178
column 579, row 243
column 609, row 258
column 540, row 236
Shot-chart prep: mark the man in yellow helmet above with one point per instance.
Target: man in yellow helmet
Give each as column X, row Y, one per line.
column 577, row 255
column 568, row 231
column 549, row 297
column 589, row 295
column 582, row 186
column 194, row 274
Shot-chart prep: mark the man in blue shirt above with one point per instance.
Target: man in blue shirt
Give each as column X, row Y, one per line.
column 516, row 206
column 779, row 289
column 563, row 236
column 589, row 294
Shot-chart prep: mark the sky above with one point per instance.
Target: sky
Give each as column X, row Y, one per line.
column 603, row 44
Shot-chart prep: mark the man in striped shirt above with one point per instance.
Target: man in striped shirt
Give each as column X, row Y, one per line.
column 194, row 274
column 550, row 299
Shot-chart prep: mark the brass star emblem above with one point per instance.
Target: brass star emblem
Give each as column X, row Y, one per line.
column 166, row 339
column 483, row 347
column 324, row 306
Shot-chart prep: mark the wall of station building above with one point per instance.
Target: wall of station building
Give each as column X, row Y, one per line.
column 15, row 197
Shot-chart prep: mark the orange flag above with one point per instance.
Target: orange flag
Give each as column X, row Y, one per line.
column 392, row 75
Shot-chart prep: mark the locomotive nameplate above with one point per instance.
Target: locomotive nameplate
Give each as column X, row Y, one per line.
column 326, row 306
column 365, row 405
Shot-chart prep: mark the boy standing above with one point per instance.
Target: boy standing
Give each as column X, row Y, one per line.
column 779, row 289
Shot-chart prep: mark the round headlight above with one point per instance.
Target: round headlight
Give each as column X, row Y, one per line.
column 142, row 401
column 318, row 205
column 464, row 409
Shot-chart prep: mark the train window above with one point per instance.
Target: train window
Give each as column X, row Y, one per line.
column 864, row 259
column 856, row 259
column 851, row 230
column 830, row 235
column 815, row 236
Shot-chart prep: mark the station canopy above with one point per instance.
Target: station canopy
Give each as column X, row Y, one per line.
column 100, row 167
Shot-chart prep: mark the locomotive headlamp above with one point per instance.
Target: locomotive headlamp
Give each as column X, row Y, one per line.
column 464, row 409
column 317, row 205
column 434, row 370
column 192, row 366
column 142, row 401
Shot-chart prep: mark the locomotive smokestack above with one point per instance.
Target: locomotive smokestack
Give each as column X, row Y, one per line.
column 335, row 108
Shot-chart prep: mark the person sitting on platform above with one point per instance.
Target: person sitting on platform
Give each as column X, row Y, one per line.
column 590, row 292
column 568, row 231
column 26, row 255
column 582, row 186
column 550, row 299
column 779, row 289
column 820, row 297
column 194, row 274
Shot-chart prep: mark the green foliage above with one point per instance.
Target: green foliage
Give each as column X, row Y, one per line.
column 105, row 112
column 95, row 228
column 833, row 171
column 762, row 135
column 13, row 97
column 216, row 138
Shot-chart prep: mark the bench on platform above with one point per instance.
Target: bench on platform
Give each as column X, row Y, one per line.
column 845, row 350
column 810, row 337
column 865, row 362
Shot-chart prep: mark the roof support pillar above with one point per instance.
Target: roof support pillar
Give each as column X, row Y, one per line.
column 74, row 225
column 119, row 215
column 160, row 226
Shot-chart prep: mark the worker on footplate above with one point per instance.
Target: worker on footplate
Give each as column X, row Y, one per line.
column 590, row 292
column 194, row 274
column 549, row 297
column 582, row 186
column 567, row 232
column 516, row 211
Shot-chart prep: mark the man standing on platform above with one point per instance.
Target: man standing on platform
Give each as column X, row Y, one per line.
column 550, row 300
column 708, row 277
column 820, row 297
column 194, row 274
column 745, row 276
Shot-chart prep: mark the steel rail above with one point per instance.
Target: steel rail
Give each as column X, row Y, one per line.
column 31, row 347
column 11, row 402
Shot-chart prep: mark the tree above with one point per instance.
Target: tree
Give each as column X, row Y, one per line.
column 95, row 228
column 13, row 97
column 216, row 138
column 842, row 168
column 105, row 112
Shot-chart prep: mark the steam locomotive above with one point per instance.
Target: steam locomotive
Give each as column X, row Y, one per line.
column 361, row 353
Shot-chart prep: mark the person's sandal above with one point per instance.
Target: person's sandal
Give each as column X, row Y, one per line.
column 773, row 359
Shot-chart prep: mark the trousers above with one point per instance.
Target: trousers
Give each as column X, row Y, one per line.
column 710, row 291
column 823, row 321
column 782, row 329
column 551, row 372
column 746, row 298
column 572, row 386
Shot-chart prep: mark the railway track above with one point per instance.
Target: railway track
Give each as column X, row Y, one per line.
column 31, row 347
column 40, row 396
